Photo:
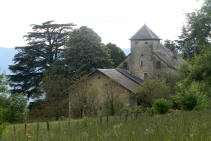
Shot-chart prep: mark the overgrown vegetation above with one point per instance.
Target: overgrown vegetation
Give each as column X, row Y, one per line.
column 57, row 58
column 13, row 108
column 175, row 126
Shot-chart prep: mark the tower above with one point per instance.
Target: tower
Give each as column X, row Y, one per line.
column 142, row 45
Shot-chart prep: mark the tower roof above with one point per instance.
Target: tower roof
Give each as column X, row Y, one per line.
column 145, row 33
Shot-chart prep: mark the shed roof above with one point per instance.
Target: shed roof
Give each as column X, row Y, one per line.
column 125, row 79
column 145, row 33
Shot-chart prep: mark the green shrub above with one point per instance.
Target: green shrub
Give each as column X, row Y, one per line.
column 150, row 111
column 161, row 105
column 17, row 108
column 151, row 90
column 190, row 97
column 189, row 102
column 2, row 120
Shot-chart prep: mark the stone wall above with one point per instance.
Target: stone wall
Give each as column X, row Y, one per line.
column 143, row 63
column 103, row 85
column 140, row 61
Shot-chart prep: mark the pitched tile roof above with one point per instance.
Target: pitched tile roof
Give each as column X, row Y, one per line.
column 145, row 33
column 128, row 81
column 168, row 57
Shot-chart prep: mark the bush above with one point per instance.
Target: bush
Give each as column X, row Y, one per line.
column 190, row 97
column 189, row 102
column 17, row 108
column 150, row 90
column 150, row 111
column 161, row 105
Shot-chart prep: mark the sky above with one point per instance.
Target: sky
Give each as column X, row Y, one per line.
column 114, row 21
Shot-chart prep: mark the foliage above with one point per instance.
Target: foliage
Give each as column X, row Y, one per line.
column 37, row 111
column 201, row 70
column 83, row 101
column 2, row 127
column 55, row 85
column 85, row 53
column 197, row 32
column 161, row 105
column 3, row 83
column 190, row 97
column 150, row 90
column 31, row 61
column 172, row 45
column 3, row 111
column 194, row 92
column 112, row 103
column 13, row 108
column 172, row 78
column 178, row 125
column 137, row 110
column 150, row 111
column 17, row 108
column 117, row 55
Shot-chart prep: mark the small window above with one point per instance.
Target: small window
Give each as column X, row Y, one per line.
column 142, row 54
column 146, row 43
column 158, row 65
column 136, row 42
column 145, row 75
column 98, row 77
column 125, row 66
column 141, row 63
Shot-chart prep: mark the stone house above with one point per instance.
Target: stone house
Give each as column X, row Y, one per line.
column 148, row 59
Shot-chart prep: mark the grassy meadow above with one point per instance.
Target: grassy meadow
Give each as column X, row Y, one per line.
column 175, row 126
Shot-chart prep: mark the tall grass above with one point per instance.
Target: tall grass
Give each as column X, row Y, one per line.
column 176, row 126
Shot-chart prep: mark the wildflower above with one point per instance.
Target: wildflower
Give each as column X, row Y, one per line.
column 28, row 136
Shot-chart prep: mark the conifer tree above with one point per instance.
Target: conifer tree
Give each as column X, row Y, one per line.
column 44, row 47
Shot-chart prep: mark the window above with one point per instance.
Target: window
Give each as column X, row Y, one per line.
column 158, row 65
column 136, row 42
column 145, row 75
column 141, row 63
column 146, row 42
column 125, row 66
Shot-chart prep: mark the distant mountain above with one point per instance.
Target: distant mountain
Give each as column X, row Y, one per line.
column 6, row 56
column 126, row 51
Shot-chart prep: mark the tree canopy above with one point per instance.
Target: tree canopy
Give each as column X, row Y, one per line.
column 85, row 53
column 196, row 34
column 3, row 83
column 117, row 55
column 44, row 47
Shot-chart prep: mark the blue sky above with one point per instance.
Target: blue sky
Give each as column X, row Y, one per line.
column 114, row 20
